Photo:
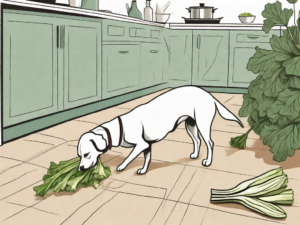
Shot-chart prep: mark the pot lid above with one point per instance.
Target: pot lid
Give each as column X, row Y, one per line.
column 202, row 6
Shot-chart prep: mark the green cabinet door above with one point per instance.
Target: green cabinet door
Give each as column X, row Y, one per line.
column 121, row 69
column 81, row 49
column 242, row 48
column 151, row 65
column 177, row 45
column 29, row 67
column 210, row 57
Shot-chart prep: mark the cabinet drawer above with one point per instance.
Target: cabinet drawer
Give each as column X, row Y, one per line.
column 253, row 36
column 124, row 31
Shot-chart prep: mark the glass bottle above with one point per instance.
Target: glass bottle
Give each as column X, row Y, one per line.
column 134, row 11
column 148, row 11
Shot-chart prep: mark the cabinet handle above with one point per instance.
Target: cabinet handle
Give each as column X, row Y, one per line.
column 123, row 52
column 198, row 41
column 57, row 36
column 253, row 37
column 154, row 51
column 62, row 36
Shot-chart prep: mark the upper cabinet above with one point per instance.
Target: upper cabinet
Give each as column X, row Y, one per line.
column 29, row 67
column 210, row 57
column 242, row 48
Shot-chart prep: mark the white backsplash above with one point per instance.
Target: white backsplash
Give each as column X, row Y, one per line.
column 229, row 9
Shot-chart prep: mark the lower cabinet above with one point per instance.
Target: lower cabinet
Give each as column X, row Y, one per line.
column 82, row 62
column 210, row 57
column 177, row 58
column 29, row 68
column 151, row 65
column 242, row 48
column 121, row 69
column 49, row 64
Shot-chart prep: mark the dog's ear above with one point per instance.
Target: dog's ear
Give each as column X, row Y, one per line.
column 99, row 143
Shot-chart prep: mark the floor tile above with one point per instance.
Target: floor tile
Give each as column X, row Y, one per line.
column 223, row 97
column 193, row 215
column 8, row 210
column 71, row 130
column 32, row 216
column 141, row 100
column 141, row 210
column 7, row 163
column 103, row 116
column 214, row 217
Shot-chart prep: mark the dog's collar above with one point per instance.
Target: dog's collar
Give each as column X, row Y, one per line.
column 109, row 146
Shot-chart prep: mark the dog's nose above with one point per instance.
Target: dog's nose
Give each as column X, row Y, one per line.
column 81, row 168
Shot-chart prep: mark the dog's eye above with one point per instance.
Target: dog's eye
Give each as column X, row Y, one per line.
column 85, row 155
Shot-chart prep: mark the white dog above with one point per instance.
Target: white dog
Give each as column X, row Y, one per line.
column 151, row 122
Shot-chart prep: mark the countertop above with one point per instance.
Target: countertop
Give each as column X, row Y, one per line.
column 125, row 18
column 221, row 26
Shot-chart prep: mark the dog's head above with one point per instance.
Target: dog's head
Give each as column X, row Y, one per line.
column 90, row 147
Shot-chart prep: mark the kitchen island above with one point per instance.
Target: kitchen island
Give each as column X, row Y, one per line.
column 60, row 63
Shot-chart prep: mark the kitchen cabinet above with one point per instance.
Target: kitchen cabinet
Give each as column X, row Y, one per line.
column 30, row 67
column 242, row 48
column 178, row 55
column 151, row 64
column 81, row 53
column 121, row 68
column 210, row 57
column 50, row 64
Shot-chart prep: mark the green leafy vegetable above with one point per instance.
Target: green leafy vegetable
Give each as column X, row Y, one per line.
column 245, row 14
column 272, row 103
column 66, row 177
column 259, row 194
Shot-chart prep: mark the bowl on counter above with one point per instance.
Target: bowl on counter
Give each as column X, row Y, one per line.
column 162, row 17
column 247, row 19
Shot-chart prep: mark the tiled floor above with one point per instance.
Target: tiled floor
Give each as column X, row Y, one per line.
column 175, row 190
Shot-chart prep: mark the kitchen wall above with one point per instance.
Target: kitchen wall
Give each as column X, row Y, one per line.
column 229, row 9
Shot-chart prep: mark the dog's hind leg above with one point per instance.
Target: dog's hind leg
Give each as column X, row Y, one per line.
column 147, row 155
column 191, row 128
column 138, row 149
column 204, row 125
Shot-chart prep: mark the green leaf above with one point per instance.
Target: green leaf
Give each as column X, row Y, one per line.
column 256, row 88
column 292, row 1
column 284, row 45
column 276, row 82
column 294, row 82
column 264, row 104
column 262, row 60
column 249, row 105
column 292, row 66
column 275, row 16
column 282, row 140
column 287, row 105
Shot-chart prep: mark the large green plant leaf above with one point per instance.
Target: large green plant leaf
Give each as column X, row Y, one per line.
column 276, row 82
column 287, row 105
column 264, row 104
column 256, row 88
column 275, row 16
column 262, row 60
column 249, row 105
column 282, row 140
column 284, row 46
column 294, row 82
column 292, row 1
column 292, row 66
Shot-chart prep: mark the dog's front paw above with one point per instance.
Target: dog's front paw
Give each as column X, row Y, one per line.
column 120, row 167
column 141, row 171
column 206, row 162
column 194, row 156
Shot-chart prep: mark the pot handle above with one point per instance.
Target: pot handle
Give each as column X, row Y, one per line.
column 188, row 9
column 214, row 10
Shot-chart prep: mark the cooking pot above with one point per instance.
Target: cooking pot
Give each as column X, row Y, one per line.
column 201, row 12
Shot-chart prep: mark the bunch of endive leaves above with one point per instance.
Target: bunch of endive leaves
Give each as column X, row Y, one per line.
column 262, row 194
column 66, row 177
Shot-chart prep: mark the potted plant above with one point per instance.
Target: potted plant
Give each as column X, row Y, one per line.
column 272, row 103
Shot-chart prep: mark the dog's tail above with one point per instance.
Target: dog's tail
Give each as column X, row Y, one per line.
column 226, row 114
